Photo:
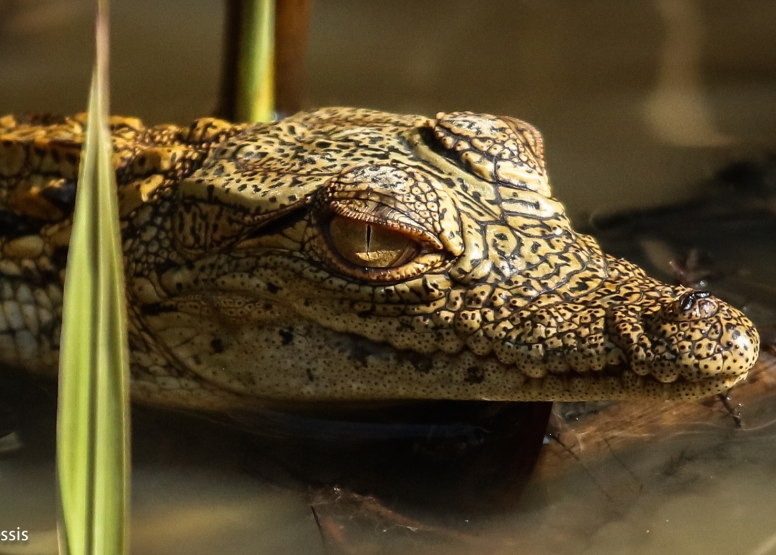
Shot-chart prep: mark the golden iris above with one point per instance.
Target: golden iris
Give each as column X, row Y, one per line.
column 370, row 245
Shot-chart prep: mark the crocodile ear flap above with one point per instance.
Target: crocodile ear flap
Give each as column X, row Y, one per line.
column 500, row 150
column 209, row 218
column 201, row 227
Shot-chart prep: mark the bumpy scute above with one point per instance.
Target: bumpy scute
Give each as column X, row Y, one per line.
column 347, row 254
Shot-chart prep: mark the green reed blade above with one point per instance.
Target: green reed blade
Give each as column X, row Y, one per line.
column 255, row 84
column 93, row 420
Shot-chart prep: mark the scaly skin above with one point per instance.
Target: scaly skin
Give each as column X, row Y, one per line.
column 347, row 254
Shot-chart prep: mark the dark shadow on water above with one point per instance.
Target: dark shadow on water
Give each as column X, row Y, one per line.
column 464, row 458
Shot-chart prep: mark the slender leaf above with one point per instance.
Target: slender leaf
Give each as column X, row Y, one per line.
column 93, row 420
column 256, row 91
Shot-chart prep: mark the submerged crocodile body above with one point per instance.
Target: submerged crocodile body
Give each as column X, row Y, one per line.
column 348, row 254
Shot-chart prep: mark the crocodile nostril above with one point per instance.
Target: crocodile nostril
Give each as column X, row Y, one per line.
column 697, row 304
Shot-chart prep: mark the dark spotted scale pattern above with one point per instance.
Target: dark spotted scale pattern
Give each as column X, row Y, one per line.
column 238, row 294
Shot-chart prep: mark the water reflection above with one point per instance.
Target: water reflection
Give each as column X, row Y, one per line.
column 634, row 477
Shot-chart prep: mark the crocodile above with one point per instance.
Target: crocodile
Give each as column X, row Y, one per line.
column 348, row 254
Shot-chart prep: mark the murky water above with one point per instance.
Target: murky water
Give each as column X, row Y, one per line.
column 639, row 103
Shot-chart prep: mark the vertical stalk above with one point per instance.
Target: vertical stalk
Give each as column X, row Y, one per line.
column 256, row 66
column 93, row 409
column 263, row 66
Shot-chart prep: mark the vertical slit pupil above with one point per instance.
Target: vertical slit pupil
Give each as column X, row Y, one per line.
column 368, row 237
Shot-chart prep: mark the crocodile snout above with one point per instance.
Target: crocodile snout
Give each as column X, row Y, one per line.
column 665, row 343
column 692, row 338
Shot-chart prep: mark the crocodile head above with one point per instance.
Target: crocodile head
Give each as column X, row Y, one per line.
column 350, row 254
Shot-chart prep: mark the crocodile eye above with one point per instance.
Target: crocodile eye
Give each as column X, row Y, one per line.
column 370, row 245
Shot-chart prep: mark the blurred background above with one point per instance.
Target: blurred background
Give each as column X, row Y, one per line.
column 637, row 100
column 659, row 119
